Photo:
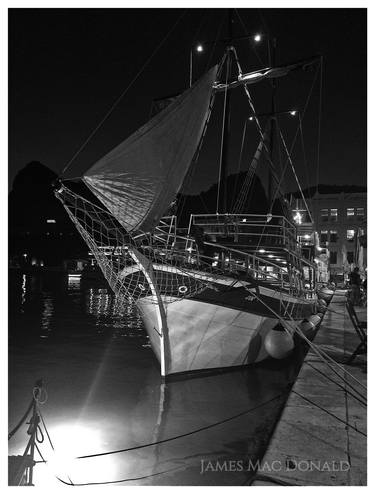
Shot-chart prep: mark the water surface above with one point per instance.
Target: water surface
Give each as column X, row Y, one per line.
column 105, row 393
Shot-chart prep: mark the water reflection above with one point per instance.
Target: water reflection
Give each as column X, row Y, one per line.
column 23, row 296
column 105, row 394
column 47, row 315
column 114, row 312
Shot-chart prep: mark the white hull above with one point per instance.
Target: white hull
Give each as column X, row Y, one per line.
column 197, row 335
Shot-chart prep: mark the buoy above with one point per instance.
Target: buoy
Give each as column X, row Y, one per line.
column 325, row 294
column 306, row 326
column 314, row 319
column 278, row 343
column 322, row 305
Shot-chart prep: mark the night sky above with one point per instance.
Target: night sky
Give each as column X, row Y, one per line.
column 67, row 67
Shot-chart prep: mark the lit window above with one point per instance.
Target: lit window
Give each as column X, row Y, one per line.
column 333, row 257
column 324, row 214
column 333, row 214
column 360, row 212
column 324, row 236
column 349, row 212
column 333, row 236
column 51, row 221
column 350, row 234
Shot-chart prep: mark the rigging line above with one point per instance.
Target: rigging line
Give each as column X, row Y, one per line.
column 222, row 133
column 294, row 171
column 195, row 431
column 189, row 177
column 251, row 46
column 191, row 171
column 323, row 355
column 265, row 25
column 216, row 40
column 255, row 116
column 119, row 98
column 305, row 161
column 319, row 121
column 297, row 131
column 329, row 413
column 244, row 191
column 239, row 162
column 202, row 201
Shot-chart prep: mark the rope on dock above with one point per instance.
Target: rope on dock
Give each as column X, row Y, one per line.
column 329, row 413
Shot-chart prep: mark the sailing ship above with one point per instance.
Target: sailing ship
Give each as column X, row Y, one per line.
column 224, row 291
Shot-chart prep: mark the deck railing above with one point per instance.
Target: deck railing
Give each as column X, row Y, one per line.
column 221, row 257
column 247, row 229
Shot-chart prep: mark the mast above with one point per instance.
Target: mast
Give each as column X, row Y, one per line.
column 224, row 157
column 272, row 60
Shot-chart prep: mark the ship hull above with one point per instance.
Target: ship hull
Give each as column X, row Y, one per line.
column 204, row 336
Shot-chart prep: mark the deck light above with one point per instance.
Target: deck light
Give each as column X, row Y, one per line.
column 293, row 113
column 261, row 251
column 257, row 38
column 199, row 48
column 271, row 255
column 298, row 218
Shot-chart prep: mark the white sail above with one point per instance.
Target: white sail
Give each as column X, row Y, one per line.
column 138, row 179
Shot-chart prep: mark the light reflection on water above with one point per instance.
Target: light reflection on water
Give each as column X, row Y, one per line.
column 105, row 392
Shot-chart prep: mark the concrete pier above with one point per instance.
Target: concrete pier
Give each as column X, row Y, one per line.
column 320, row 438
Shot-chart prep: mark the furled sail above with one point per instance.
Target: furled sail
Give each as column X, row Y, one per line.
column 138, row 179
column 267, row 73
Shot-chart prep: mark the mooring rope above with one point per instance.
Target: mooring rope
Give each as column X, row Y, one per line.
column 329, row 413
column 186, row 434
column 22, row 420
column 324, row 356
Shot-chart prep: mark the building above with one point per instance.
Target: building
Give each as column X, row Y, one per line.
column 339, row 218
